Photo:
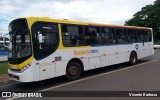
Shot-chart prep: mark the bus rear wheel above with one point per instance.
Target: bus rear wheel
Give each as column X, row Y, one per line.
column 133, row 58
column 73, row 70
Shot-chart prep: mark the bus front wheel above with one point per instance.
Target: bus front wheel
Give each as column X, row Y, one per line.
column 133, row 58
column 73, row 70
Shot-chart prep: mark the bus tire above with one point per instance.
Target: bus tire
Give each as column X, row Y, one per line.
column 73, row 70
column 133, row 58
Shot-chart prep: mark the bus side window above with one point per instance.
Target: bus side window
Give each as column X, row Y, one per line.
column 145, row 36
column 72, row 35
column 140, row 35
column 121, row 35
column 92, row 35
column 148, row 36
column 98, row 36
column 108, row 36
column 132, row 36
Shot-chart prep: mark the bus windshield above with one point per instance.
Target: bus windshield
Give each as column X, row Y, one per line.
column 20, row 45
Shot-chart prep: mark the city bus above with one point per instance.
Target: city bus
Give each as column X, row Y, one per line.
column 42, row 48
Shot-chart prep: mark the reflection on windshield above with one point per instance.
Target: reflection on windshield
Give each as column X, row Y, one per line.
column 19, row 44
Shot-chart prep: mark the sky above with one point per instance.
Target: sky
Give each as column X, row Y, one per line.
column 99, row 11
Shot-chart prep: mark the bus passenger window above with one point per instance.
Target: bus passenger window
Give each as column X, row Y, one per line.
column 138, row 36
column 108, row 36
column 121, row 36
column 132, row 36
column 72, row 35
column 92, row 36
column 148, row 36
column 141, row 35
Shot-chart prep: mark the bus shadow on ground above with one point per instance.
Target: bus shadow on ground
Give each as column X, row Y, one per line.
column 37, row 86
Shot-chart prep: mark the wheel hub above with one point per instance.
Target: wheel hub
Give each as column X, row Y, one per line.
column 73, row 70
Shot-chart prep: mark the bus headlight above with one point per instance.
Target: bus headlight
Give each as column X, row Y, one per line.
column 24, row 68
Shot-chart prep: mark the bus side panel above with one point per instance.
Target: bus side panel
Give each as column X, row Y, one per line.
column 118, row 53
column 94, row 62
column 149, row 48
column 46, row 71
column 35, row 70
column 61, row 68
column 85, row 63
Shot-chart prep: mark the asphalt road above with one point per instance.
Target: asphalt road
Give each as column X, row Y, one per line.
column 144, row 76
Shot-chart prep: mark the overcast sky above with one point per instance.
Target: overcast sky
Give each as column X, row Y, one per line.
column 101, row 11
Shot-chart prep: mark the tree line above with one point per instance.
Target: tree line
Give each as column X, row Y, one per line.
column 149, row 16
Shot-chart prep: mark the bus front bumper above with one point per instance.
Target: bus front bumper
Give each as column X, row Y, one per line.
column 26, row 76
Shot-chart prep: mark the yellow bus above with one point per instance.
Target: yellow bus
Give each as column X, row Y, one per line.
column 42, row 48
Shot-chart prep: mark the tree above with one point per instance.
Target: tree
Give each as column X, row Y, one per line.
column 149, row 16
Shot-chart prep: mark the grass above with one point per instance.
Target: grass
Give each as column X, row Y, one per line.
column 3, row 67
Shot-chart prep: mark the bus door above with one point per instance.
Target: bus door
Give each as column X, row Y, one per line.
column 45, row 42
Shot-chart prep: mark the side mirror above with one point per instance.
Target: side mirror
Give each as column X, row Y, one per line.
column 40, row 40
column 40, row 37
column 5, row 41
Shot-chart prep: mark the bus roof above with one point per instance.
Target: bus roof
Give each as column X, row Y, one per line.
column 85, row 23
